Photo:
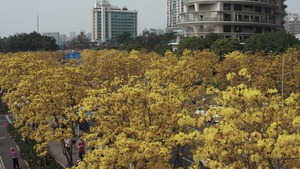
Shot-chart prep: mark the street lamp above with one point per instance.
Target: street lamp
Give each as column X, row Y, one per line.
column 282, row 79
column 282, row 74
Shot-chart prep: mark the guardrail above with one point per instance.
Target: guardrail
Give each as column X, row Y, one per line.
column 263, row 1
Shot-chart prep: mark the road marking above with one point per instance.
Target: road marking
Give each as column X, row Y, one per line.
column 4, row 125
column 8, row 119
column 1, row 138
column 188, row 160
column 1, row 164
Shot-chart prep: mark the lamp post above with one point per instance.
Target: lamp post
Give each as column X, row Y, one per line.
column 282, row 74
column 282, row 79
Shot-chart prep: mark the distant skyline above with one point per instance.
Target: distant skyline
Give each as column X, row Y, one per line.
column 75, row 15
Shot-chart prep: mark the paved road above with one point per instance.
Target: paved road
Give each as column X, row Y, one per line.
column 5, row 143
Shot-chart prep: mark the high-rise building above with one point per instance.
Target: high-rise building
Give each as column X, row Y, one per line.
column 174, row 8
column 62, row 38
column 293, row 26
column 72, row 35
column 110, row 21
column 292, row 23
column 232, row 19
column 55, row 35
column 290, row 16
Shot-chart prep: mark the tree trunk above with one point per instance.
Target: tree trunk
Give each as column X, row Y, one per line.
column 68, row 155
column 178, row 160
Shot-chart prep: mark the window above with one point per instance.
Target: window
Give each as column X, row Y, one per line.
column 237, row 7
column 246, row 37
column 268, row 29
column 258, row 30
column 247, row 18
column 227, row 28
column 257, row 9
column 227, row 6
column 248, row 27
column 268, row 10
column 248, row 6
column 227, row 17
column 237, row 28
column 238, row 17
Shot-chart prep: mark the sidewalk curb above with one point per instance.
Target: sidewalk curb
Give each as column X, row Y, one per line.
column 56, row 158
column 22, row 158
column 8, row 119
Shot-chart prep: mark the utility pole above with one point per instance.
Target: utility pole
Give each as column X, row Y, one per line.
column 282, row 77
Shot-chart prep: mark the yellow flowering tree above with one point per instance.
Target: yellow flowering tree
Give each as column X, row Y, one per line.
column 258, row 130
column 43, row 99
column 265, row 70
column 137, row 117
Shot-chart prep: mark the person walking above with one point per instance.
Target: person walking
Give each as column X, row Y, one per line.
column 14, row 156
column 81, row 145
column 68, row 145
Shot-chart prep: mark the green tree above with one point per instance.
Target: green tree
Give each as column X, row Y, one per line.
column 124, row 38
column 224, row 46
column 2, row 44
column 80, row 42
column 192, row 43
column 30, row 42
column 149, row 41
column 271, row 41
column 211, row 38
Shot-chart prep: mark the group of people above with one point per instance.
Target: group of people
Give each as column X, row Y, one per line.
column 81, row 145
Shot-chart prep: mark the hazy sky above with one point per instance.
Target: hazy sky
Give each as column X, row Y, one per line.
column 65, row 16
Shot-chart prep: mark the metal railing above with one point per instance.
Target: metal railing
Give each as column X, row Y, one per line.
column 221, row 19
column 263, row 1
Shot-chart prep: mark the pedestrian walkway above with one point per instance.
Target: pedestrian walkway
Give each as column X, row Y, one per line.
column 55, row 148
column 57, row 152
column 5, row 144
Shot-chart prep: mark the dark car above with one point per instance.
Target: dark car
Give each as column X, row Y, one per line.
column 86, row 125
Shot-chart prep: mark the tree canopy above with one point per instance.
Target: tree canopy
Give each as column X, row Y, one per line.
column 224, row 46
column 80, row 42
column 271, row 41
column 148, row 41
column 28, row 42
column 210, row 38
column 146, row 106
column 191, row 43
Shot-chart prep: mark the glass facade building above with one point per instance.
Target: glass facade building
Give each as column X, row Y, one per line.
column 110, row 21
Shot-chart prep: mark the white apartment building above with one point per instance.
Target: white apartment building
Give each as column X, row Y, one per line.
column 174, row 8
column 231, row 18
column 110, row 21
column 293, row 26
